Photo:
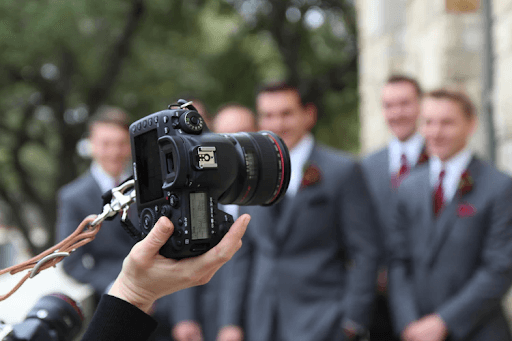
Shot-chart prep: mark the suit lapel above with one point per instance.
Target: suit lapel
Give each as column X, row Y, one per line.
column 448, row 217
column 288, row 213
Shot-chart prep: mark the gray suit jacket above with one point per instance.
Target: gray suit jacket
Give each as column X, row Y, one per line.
column 311, row 268
column 376, row 171
column 459, row 264
column 99, row 262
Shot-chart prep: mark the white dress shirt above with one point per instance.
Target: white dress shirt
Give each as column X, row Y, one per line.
column 453, row 168
column 299, row 155
column 412, row 149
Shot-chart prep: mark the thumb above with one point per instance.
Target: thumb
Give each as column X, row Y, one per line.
column 158, row 235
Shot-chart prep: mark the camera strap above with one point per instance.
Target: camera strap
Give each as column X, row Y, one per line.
column 84, row 234
column 114, row 202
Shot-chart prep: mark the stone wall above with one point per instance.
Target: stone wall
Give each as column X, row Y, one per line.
column 419, row 38
column 502, row 97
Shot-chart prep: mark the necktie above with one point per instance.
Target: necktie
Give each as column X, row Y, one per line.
column 439, row 195
column 402, row 172
column 404, row 168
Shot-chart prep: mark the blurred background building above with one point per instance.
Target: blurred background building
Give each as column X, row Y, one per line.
column 464, row 44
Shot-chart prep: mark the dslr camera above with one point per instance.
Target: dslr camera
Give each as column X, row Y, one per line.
column 183, row 171
column 54, row 317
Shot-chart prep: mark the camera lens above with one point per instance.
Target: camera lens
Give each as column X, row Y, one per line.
column 263, row 169
column 59, row 314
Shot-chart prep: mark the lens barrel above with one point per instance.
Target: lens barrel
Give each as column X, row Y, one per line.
column 263, row 170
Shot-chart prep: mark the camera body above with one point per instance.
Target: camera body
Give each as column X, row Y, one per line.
column 54, row 317
column 183, row 171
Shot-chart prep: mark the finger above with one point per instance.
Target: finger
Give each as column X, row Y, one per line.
column 158, row 235
column 236, row 232
column 230, row 243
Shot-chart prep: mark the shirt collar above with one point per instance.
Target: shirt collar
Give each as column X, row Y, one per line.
column 454, row 167
column 105, row 181
column 299, row 155
column 412, row 149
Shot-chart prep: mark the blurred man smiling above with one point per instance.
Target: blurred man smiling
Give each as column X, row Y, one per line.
column 385, row 169
column 451, row 261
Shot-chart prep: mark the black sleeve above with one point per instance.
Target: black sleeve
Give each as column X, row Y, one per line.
column 116, row 319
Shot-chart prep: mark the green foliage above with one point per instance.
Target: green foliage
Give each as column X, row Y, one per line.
column 60, row 60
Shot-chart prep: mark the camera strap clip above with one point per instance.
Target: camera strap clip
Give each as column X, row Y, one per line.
column 116, row 201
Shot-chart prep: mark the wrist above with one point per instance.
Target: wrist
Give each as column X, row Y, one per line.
column 123, row 290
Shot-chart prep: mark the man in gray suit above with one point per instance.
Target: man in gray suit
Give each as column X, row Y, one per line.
column 451, row 263
column 307, row 268
column 385, row 169
column 99, row 262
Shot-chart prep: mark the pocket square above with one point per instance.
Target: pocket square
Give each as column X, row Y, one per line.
column 466, row 210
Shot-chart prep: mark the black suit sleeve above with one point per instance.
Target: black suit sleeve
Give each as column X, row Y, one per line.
column 116, row 319
column 359, row 233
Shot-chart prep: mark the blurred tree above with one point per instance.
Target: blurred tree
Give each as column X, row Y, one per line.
column 60, row 60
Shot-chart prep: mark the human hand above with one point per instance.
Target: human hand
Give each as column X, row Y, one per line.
column 230, row 333
column 146, row 275
column 187, row 331
column 428, row 328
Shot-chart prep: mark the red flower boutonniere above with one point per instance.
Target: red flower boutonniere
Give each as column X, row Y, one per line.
column 465, row 184
column 312, row 175
column 466, row 210
column 423, row 156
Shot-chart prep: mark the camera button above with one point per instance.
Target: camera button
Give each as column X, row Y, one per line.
column 187, row 241
column 180, row 222
column 174, row 200
column 179, row 243
column 166, row 130
column 166, row 211
column 138, row 126
column 156, row 119
column 166, row 119
column 150, row 122
column 144, row 124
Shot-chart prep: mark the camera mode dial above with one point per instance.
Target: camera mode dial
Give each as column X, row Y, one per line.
column 191, row 122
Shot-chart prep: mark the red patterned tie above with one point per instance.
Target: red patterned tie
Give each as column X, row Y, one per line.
column 439, row 195
column 402, row 172
column 404, row 168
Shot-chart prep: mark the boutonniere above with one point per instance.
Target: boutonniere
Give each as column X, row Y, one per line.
column 465, row 184
column 466, row 210
column 312, row 175
column 423, row 156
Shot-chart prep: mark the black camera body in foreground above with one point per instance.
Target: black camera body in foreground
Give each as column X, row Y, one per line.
column 54, row 317
column 183, row 171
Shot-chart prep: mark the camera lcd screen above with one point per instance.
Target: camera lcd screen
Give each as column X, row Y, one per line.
column 149, row 173
column 199, row 215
